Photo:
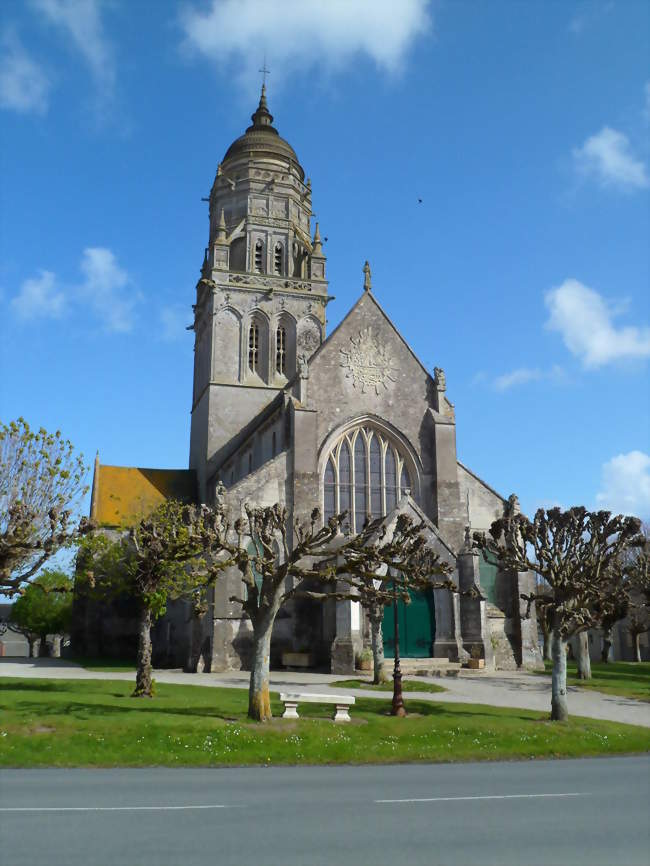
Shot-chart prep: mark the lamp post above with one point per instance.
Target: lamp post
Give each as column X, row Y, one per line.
column 397, row 708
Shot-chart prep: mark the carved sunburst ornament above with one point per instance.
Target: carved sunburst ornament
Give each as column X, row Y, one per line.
column 368, row 363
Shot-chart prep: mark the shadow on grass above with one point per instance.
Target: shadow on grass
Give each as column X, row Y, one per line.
column 232, row 705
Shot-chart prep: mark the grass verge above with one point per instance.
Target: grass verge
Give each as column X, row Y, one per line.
column 94, row 723
column 627, row 679
column 407, row 686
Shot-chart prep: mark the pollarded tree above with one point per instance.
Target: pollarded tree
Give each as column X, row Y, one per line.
column 319, row 563
column 41, row 484
column 631, row 573
column 572, row 551
column 43, row 608
column 638, row 623
column 638, row 576
column 161, row 558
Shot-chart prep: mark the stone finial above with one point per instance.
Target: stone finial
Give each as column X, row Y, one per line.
column 367, row 282
column 94, row 494
column 317, row 248
column 262, row 116
column 221, row 228
column 439, row 378
column 513, row 507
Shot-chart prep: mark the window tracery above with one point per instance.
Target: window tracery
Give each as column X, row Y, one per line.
column 365, row 474
column 281, row 350
column 253, row 347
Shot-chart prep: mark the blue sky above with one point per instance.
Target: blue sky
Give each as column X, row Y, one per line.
column 524, row 273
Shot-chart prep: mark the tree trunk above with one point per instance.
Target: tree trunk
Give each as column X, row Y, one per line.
column 143, row 682
column 377, row 639
column 637, row 647
column 546, row 635
column 43, row 650
column 582, row 656
column 31, row 641
column 607, row 645
column 259, row 700
column 195, row 645
column 559, row 707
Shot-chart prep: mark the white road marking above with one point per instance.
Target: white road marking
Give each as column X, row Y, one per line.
column 109, row 808
column 484, row 797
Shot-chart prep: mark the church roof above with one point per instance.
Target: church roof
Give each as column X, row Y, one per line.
column 263, row 139
column 122, row 495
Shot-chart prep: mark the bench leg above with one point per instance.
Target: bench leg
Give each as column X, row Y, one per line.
column 342, row 714
column 290, row 710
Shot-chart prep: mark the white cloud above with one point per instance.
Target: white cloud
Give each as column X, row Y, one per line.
column 606, row 156
column 24, row 86
column 522, row 375
column 298, row 34
column 81, row 22
column 104, row 289
column 173, row 322
column 625, row 485
column 39, row 297
column 517, row 377
column 590, row 13
column 585, row 321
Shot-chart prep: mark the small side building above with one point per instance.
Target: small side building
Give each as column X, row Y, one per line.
column 121, row 496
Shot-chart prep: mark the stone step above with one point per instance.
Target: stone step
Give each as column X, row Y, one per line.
column 431, row 667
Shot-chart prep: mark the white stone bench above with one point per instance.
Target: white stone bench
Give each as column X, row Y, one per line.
column 292, row 699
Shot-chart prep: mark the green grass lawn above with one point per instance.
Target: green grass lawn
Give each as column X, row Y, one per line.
column 628, row 679
column 94, row 723
column 407, row 686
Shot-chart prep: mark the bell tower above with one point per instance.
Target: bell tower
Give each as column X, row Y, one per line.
column 261, row 298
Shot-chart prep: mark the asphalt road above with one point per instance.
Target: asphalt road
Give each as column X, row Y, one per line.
column 563, row 813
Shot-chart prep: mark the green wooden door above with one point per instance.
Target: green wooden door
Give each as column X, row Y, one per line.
column 417, row 627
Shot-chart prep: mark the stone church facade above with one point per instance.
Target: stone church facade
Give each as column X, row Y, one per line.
column 283, row 412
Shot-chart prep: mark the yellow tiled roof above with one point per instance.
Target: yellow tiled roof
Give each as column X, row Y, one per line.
column 122, row 495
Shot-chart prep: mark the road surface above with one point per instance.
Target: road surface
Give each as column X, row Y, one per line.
column 567, row 813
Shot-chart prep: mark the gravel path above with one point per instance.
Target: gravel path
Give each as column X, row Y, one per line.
column 498, row 689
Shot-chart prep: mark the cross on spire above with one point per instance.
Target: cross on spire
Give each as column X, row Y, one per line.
column 264, row 72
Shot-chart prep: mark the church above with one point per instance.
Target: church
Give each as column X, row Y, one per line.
column 347, row 421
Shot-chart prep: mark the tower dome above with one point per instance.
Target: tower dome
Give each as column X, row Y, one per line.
column 263, row 140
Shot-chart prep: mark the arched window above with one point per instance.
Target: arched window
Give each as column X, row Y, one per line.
column 330, row 491
column 376, row 509
column 360, row 485
column 259, row 257
column 277, row 258
column 345, row 477
column 365, row 474
column 391, row 480
column 281, row 351
column 253, row 347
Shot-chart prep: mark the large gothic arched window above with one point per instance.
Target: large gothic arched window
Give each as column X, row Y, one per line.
column 365, row 474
